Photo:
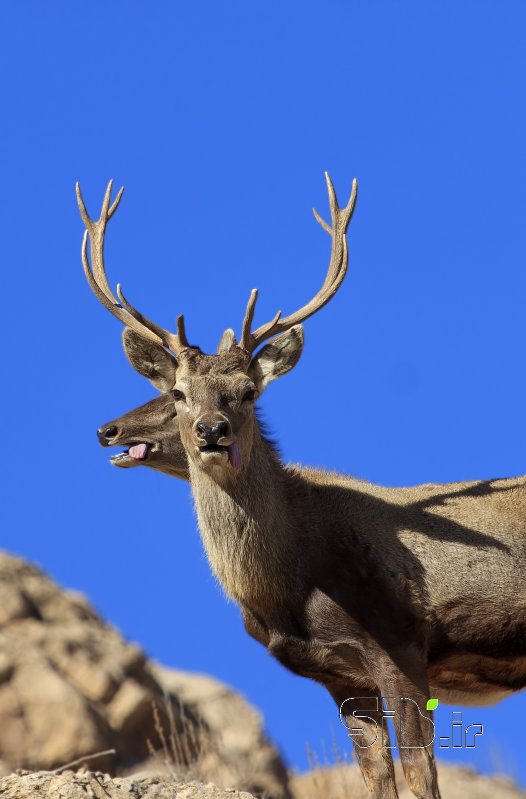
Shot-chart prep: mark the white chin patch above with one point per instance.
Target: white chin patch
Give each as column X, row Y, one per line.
column 214, row 456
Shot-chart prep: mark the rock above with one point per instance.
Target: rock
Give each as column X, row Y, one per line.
column 130, row 707
column 64, row 672
column 44, row 719
column 243, row 755
column 100, row 786
column 71, row 685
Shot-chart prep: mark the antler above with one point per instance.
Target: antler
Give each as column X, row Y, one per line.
column 340, row 219
column 96, row 277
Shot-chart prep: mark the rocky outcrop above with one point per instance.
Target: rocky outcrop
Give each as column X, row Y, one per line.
column 71, row 685
column 329, row 783
column 101, row 786
column 243, row 755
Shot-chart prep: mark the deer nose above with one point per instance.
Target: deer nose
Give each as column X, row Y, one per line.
column 107, row 434
column 212, row 434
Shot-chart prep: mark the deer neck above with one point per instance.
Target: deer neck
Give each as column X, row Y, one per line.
column 247, row 526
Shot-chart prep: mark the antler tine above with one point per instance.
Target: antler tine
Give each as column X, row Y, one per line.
column 115, row 204
column 175, row 342
column 110, row 302
column 97, row 230
column 98, row 281
column 244, row 342
column 340, row 218
column 182, row 341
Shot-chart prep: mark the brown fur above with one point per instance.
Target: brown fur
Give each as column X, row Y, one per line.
column 350, row 584
column 153, row 424
column 342, row 579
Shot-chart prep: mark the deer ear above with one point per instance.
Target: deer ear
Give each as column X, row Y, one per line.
column 228, row 340
column 277, row 358
column 150, row 360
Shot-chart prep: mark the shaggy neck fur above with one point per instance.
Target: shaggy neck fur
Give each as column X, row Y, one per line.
column 246, row 527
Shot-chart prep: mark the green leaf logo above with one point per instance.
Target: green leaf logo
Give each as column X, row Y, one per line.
column 432, row 704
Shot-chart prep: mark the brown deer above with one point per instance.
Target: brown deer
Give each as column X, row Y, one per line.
column 151, row 435
column 344, row 582
column 453, row 511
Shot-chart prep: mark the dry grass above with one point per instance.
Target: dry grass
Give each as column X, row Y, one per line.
column 337, row 782
column 330, row 776
column 345, row 782
column 180, row 748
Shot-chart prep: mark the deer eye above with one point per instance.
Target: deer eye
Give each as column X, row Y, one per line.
column 177, row 395
column 249, row 395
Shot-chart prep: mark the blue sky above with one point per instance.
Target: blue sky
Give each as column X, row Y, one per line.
column 220, row 118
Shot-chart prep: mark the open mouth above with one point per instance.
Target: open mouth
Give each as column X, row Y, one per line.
column 133, row 456
column 210, row 448
column 231, row 450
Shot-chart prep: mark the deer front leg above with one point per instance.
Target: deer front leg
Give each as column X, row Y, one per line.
column 405, row 688
column 361, row 712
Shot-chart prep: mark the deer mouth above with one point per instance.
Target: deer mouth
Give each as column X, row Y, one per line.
column 134, row 455
column 214, row 451
column 211, row 448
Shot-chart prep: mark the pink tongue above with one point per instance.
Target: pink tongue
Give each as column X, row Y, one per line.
column 138, row 451
column 234, row 456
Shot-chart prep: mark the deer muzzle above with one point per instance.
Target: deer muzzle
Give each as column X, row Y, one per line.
column 216, row 441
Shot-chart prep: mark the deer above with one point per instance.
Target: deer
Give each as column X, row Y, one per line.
column 343, row 581
column 150, row 434
column 151, row 437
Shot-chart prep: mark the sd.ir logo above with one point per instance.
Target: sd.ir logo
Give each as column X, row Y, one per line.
column 365, row 718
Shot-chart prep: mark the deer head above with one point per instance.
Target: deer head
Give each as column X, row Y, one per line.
column 150, row 435
column 214, row 394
